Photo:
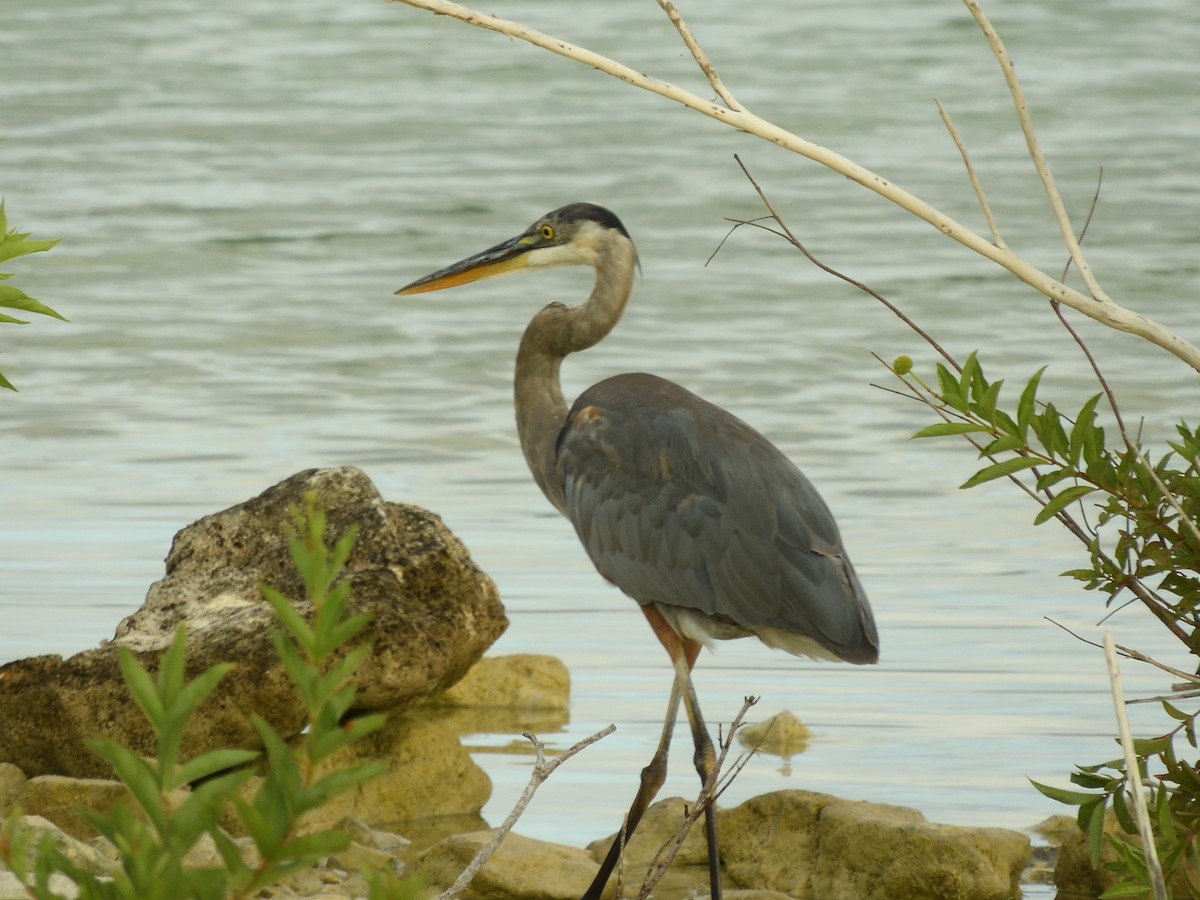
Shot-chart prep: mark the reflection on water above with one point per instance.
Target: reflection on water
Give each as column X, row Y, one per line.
column 240, row 192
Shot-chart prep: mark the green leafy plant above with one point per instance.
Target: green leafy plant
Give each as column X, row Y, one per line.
column 177, row 802
column 15, row 243
column 1136, row 517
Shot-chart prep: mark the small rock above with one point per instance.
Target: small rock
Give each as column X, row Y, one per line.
column 12, row 782
column 11, row 887
column 357, row 855
column 62, row 801
column 79, row 853
column 521, row 869
column 522, row 680
column 781, row 735
column 358, row 830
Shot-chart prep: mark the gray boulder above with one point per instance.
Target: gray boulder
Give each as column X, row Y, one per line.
column 433, row 612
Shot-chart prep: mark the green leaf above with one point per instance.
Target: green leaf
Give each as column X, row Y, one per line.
column 1027, row 405
column 1082, row 429
column 343, row 548
column 970, row 380
column 339, row 781
column 311, row 847
column 1000, row 470
column 1126, row 889
column 1003, row 444
column 9, row 249
column 1094, row 817
column 292, row 620
column 1151, row 746
column 1123, row 813
column 14, row 298
column 985, row 406
column 214, row 761
column 1062, row 795
column 944, row 428
column 948, row 389
column 1047, row 425
column 1061, row 500
column 196, row 691
column 1047, row 480
column 137, row 775
column 141, row 686
column 1002, row 421
column 345, row 667
column 256, row 823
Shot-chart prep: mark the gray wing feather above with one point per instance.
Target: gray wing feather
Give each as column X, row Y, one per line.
column 680, row 503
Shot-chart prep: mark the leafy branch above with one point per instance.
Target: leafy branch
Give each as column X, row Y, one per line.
column 13, row 244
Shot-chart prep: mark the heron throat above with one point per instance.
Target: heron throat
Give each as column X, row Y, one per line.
column 554, row 333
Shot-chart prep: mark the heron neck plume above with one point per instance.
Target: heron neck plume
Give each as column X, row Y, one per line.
column 556, row 331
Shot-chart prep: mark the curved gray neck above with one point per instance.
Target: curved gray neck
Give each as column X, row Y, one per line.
column 551, row 335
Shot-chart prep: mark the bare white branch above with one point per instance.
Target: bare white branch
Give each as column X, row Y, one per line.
column 1098, row 307
column 699, row 55
column 542, row 769
column 1035, row 152
column 974, row 179
column 1133, row 781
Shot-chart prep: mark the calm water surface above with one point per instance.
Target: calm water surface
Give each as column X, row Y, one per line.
column 241, row 186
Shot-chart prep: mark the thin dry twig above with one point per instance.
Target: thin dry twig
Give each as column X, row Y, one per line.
column 542, row 769
column 946, row 415
column 699, row 55
column 712, row 788
column 786, row 234
column 974, row 179
column 1087, row 353
column 1133, row 782
column 1189, row 679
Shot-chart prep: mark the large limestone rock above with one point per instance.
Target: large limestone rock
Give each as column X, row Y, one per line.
column 660, row 824
column 427, row 774
column 688, row 873
column 433, row 614
column 812, row 846
column 819, row 847
column 521, row 869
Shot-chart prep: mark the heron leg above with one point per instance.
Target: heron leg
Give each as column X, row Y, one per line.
column 706, row 764
column 655, row 773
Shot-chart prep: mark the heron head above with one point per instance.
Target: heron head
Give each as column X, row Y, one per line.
column 570, row 236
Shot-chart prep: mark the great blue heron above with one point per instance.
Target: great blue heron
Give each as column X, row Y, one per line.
column 684, row 507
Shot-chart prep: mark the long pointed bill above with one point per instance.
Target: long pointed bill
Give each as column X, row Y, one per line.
column 506, row 257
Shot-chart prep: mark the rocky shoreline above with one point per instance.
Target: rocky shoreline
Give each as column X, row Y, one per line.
column 434, row 613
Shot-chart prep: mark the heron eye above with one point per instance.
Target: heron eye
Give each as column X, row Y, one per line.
column 547, row 232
